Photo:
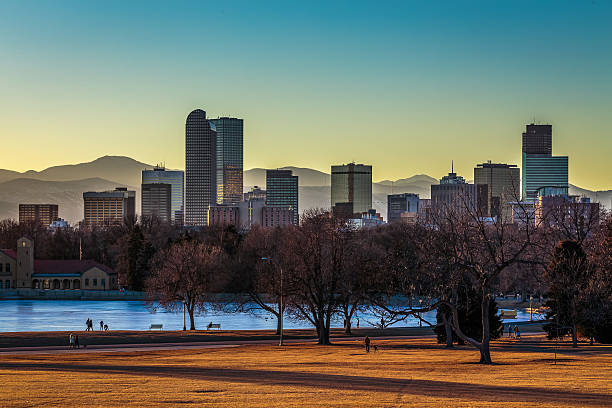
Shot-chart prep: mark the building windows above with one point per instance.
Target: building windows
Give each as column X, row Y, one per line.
column 8, row 268
column 95, row 282
column 103, row 282
column 86, row 282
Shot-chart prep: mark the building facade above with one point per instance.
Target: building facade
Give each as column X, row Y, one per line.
column 282, row 191
column 108, row 207
column 156, row 201
column 19, row 270
column 42, row 214
column 176, row 179
column 540, row 167
column 401, row 203
column 503, row 186
column 352, row 183
column 453, row 193
column 229, row 159
column 200, row 168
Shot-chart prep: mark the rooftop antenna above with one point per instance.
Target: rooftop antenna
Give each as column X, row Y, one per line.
column 452, row 166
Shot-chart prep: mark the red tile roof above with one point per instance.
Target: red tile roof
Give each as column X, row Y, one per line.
column 67, row 266
column 9, row 252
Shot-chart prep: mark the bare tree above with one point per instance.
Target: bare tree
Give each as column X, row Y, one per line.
column 186, row 274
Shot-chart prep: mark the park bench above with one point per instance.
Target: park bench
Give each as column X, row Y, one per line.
column 212, row 325
column 156, row 327
column 508, row 314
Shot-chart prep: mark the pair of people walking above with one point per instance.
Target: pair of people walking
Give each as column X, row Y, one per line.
column 74, row 341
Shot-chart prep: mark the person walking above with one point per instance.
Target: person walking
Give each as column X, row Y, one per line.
column 515, row 331
column 518, row 332
column 101, row 325
column 71, row 340
column 509, row 330
column 367, row 344
column 76, row 341
column 357, row 322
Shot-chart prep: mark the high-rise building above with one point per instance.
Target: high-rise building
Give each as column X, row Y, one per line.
column 401, row 203
column 176, row 180
column 352, row 183
column 282, row 191
column 109, row 207
column 229, row 159
column 157, row 201
column 503, row 181
column 537, row 139
column 43, row 214
column 453, row 193
column 540, row 167
column 543, row 171
column 200, row 168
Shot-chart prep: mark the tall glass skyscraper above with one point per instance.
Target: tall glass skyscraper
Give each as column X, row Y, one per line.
column 200, row 168
column 159, row 175
column 540, row 167
column 229, row 159
column 352, row 184
column 282, row 191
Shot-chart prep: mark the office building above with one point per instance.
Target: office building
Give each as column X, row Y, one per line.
column 276, row 217
column 503, row 186
column 401, row 203
column 352, row 183
column 537, row 139
column 229, row 159
column 42, row 214
column 157, row 201
column 540, row 167
column 108, row 207
column 453, row 193
column 543, row 171
column 254, row 193
column 176, row 180
column 223, row 215
column 282, row 191
column 200, row 168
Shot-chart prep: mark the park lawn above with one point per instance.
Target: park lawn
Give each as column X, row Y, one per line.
column 406, row 373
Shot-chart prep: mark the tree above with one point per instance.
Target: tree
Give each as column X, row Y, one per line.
column 134, row 258
column 313, row 283
column 261, row 256
column 477, row 249
column 186, row 274
column 568, row 275
column 468, row 310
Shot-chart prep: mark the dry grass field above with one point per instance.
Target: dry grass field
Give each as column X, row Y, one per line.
column 403, row 373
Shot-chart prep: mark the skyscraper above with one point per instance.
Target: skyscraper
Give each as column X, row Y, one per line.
column 351, row 185
column 200, row 168
column 175, row 178
column 503, row 181
column 229, row 159
column 540, row 167
column 157, row 201
column 454, row 194
column 282, row 191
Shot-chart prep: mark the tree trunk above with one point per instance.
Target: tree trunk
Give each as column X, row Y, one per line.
column 574, row 336
column 449, row 332
column 278, row 324
column 485, row 352
column 347, row 328
column 191, row 318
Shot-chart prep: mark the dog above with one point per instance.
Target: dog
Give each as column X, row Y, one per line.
column 375, row 348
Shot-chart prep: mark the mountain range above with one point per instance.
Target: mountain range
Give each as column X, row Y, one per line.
column 64, row 185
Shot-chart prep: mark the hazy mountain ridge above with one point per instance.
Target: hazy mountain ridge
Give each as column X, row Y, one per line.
column 64, row 185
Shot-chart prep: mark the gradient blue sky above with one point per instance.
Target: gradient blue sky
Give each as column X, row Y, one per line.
column 405, row 86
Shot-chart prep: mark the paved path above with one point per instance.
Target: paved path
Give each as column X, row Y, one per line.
column 110, row 348
column 113, row 348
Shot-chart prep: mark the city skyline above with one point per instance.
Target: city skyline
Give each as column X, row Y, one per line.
column 410, row 72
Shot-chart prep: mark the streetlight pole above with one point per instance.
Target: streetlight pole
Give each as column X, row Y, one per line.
column 530, row 308
column 281, row 304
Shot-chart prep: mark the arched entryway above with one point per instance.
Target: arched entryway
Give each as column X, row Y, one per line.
column 66, row 284
column 76, row 284
column 57, row 284
column 35, row 284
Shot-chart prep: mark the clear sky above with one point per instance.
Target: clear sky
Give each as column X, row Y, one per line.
column 405, row 86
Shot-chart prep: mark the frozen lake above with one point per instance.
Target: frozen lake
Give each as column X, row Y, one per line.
column 55, row 315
